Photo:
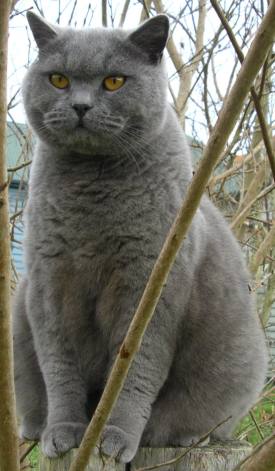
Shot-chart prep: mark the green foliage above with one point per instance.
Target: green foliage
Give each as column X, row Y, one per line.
column 34, row 459
column 257, row 425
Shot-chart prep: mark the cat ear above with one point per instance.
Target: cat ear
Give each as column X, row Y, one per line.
column 42, row 31
column 152, row 36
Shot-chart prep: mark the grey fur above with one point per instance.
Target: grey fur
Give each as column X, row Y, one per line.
column 101, row 202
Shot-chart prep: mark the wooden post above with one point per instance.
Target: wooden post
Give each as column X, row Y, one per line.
column 218, row 457
column 96, row 463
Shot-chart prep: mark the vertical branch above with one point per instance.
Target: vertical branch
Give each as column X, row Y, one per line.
column 185, row 72
column 124, row 13
column 145, row 14
column 104, row 12
column 269, row 298
column 250, row 196
column 257, row 104
column 9, row 457
column 188, row 72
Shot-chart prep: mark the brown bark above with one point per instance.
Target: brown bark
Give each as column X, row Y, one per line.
column 261, row 459
column 9, row 455
column 224, row 126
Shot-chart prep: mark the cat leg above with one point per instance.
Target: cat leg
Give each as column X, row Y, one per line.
column 147, row 374
column 50, row 302
column 29, row 385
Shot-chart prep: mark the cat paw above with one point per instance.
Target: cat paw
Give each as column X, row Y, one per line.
column 31, row 429
column 61, row 437
column 118, row 444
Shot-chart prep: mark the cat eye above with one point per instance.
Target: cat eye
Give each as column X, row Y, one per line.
column 59, row 81
column 113, row 83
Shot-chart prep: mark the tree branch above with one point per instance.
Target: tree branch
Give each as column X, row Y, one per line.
column 253, row 92
column 242, row 215
column 185, row 72
column 145, row 14
column 9, row 450
column 124, row 13
column 266, row 245
column 104, row 12
column 262, row 457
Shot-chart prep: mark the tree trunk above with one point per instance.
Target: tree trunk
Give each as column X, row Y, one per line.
column 9, row 452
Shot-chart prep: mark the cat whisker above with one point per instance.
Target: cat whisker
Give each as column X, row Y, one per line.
column 125, row 148
column 139, row 146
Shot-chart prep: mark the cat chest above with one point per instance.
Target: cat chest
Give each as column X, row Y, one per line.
column 88, row 221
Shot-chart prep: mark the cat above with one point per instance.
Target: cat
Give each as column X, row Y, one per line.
column 110, row 170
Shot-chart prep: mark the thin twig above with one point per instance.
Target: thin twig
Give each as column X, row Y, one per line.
column 253, row 92
column 256, row 424
column 145, row 7
column 236, row 221
column 27, row 452
column 185, row 452
column 72, row 13
column 16, row 215
column 18, row 167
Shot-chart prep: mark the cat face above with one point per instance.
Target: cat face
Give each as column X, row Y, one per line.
column 98, row 89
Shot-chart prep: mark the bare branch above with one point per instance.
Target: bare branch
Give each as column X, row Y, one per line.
column 188, row 72
column 242, row 215
column 255, row 97
column 145, row 14
column 266, row 245
column 124, row 13
column 9, row 450
column 262, row 457
column 27, row 452
column 104, row 12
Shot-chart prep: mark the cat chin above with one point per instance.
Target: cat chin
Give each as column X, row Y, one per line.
column 85, row 142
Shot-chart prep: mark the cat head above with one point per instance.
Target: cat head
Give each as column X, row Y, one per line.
column 95, row 89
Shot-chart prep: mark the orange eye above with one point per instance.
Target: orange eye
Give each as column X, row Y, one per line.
column 59, row 81
column 113, row 83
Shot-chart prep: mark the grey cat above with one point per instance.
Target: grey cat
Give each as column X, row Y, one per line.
column 110, row 170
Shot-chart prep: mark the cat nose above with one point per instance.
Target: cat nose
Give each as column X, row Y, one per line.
column 81, row 109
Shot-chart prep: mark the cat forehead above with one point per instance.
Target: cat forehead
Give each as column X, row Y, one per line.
column 89, row 52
